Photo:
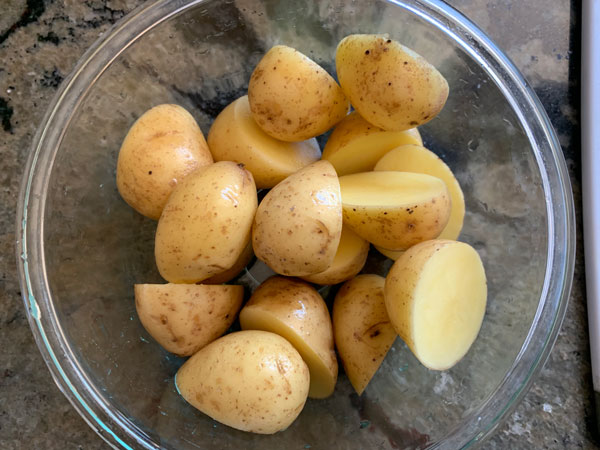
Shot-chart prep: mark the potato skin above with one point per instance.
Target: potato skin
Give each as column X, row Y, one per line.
column 349, row 259
column 235, row 136
column 362, row 329
column 296, row 311
column 249, row 380
column 183, row 318
column 298, row 224
column 390, row 85
column 292, row 98
column 206, row 223
column 163, row 146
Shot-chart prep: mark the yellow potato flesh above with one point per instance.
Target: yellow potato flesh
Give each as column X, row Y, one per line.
column 436, row 296
column 363, row 332
column 414, row 158
column 250, row 380
column 292, row 98
column 296, row 311
column 235, row 136
column 183, row 318
column 355, row 145
column 206, row 223
column 395, row 210
column 349, row 259
column 163, row 146
column 298, row 224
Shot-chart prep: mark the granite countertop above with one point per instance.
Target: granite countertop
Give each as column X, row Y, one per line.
column 40, row 42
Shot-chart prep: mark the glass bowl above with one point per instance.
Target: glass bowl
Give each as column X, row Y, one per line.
column 81, row 248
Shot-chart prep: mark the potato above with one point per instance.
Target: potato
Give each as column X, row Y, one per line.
column 435, row 295
column 392, row 254
column 298, row 224
column 390, row 85
column 361, row 327
column 292, row 98
column 242, row 261
column 250, row 380
column 206, row 223
column 183, row 318
column 234, row 136
column 349, row 259
column 355, row 145
column 395, row 210
column 295, row 310
column 161, row 148
column 415, row 158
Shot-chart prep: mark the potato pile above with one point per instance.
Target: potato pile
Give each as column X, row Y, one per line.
column 374, row 183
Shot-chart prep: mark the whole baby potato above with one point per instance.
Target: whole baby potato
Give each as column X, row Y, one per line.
column 206, row 223
column 250, row 380
column 292, row 98
column 298, row 224
column 390, row 85
column 183, row 318
column 163, row 146
column 235, row 136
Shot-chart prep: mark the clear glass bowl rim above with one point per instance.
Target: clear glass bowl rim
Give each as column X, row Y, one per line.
column 118, row 430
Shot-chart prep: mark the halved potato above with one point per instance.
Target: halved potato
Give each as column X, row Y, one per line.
column 249, row 380
column 435, row 295
column 206, row 223
column 295, row 310
column 162, row 147
column 235, row 136
column 395, row 210
column 355, row 145
column 292, row 98
column 349, row 259
column 362, row 330
column 243, row 260
column 183, row 318
column 390, row 85
column 298, row 224
column 418, row 159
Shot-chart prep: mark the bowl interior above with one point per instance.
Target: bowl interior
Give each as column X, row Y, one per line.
column 96, row 247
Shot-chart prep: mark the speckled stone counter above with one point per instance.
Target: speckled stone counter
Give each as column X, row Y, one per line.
column 40, row 42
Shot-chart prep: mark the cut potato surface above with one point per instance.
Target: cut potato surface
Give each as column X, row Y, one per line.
column 249, row 380
column 355, row 145
column 298, row 224
column 235, row 136
column 183, row 318
column 435, row 295
column 292, row 98
column 349, row 259
column 295, row 310
column 395, row 210
column 414, row 158
column 362, row 329
column 389, row 85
